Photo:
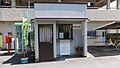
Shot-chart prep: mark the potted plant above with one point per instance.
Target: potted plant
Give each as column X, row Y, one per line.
column 78, row 50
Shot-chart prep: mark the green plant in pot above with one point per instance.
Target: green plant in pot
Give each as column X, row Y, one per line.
column 78, row 50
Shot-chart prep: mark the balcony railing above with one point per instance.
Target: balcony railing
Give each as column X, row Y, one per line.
column 97, row 8
column 103, row 8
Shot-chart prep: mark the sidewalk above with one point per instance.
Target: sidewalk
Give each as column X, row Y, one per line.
column 99, row 62
column 4, row 53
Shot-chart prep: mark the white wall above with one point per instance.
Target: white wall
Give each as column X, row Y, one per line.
column 14, row 14
column 76, row 40
column 6, row 27
column 103, row 15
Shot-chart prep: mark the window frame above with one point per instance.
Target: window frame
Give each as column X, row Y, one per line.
column 91, row 34
column 71, row 30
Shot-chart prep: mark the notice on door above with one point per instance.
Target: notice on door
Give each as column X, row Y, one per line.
column 64, row 47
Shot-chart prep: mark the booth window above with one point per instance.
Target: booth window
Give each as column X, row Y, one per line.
column 65, row 31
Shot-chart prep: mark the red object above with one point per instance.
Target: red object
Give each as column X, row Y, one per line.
column 8, row 41
column 9, row 48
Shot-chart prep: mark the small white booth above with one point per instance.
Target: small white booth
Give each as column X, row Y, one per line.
column 59, row 28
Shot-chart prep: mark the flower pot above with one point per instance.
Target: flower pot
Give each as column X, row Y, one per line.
column 24, row 60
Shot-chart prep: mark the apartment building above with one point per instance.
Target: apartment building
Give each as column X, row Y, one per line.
column 78, row 19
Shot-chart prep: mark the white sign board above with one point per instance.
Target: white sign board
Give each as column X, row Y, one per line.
column 76, row 26
column 64, row 47
column 61, row 35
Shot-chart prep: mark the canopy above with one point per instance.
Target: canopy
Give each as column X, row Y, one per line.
column 112, row 25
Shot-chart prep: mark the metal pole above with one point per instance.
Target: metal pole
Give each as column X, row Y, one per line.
column 118, row 4
column 105, row 36
column 28, row 16
column 17, row 45
column 108, row 4
column 23, row 43
column 9, row 48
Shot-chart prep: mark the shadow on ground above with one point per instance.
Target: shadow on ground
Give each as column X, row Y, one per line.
column 61, row 58
column 15, row 59
column 99, row 51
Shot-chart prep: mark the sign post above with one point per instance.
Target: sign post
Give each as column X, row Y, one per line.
column 25, row 31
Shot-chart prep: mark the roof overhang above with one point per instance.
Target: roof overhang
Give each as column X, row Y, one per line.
column 63, row 19
column 112, row 25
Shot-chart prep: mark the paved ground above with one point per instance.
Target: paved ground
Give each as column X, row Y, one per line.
column 99, row 62
column 100, row 51
column 105, row 57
